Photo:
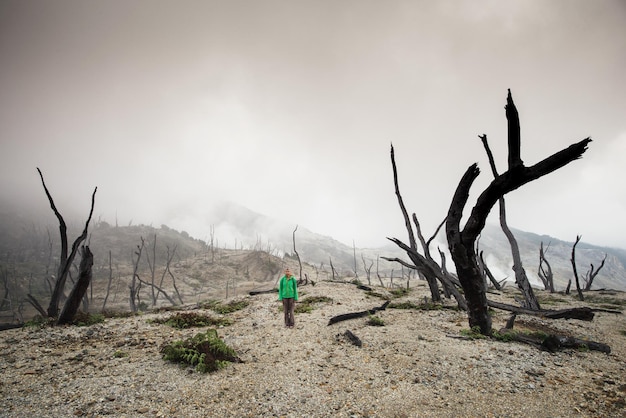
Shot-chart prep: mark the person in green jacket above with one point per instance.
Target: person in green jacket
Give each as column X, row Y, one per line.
column 288, row 293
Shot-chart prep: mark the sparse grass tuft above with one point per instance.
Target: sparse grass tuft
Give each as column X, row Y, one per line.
column 205, row 351
column 375, row 321
column 377, row 295
column 39, row 322
column 120, row 354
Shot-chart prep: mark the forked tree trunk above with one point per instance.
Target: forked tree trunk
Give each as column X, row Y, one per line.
column 461, row 242
column 78, row 291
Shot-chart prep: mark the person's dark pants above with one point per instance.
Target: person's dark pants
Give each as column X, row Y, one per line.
column 288, row 307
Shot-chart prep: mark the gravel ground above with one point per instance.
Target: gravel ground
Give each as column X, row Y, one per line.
column 417, row 365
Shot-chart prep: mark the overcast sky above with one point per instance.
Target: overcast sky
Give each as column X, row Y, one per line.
column 290, row 107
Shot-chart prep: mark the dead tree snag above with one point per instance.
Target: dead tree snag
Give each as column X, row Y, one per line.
column 461, row 241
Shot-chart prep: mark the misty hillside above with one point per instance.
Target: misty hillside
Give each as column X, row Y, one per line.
column 29, row 246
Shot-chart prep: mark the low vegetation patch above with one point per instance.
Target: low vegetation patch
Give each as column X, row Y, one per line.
column 375, row 321
column 226, row 308
column 306, row 305
column 206, row 352
column 399, row 292
column 184, row 320
column 425, row 306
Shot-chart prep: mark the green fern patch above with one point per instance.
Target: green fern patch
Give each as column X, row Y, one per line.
column 184, row 320
column 205, row 351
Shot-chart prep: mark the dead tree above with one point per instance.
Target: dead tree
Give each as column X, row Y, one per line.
column 520, row 274
column 106, row 297
column 368, row 270
column 166, row 270
column 591, row 274
column 461, row 242
column 65, row 259
column 425, row 264
column 297, row 255
column 488, row 274
column 545, row 271
column 84, row 279
column 573, row 260
column 134, row 287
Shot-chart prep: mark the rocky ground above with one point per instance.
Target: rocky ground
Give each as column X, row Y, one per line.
column 417, row 365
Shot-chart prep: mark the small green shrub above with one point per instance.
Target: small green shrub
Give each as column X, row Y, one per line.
column 205, row 351
column 39, row 322
column 473, row 333
column 184, row 320
column 120, row 354
column 375, row 321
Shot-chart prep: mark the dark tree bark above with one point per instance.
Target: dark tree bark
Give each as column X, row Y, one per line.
column 78, row 291
column 297, row 255
column 461, row 242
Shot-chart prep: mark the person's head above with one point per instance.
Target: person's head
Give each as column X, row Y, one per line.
column 287, row 272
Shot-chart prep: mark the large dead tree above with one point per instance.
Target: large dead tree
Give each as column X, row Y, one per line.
column 65, row 259
column 461, row 241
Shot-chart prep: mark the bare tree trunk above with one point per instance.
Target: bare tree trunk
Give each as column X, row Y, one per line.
column 106, row 297
column 84, row 278
column 591, row 274
column 356, row 273
column 134, row 289
column 380, row 279
column 573, row 260
column 545, row 273
column 461, row 241
column 296, row 252
column 488, row 274
column 520, row 274
column 368, row 270
column 152, row 267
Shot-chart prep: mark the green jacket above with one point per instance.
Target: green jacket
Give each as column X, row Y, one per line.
column 288, row 288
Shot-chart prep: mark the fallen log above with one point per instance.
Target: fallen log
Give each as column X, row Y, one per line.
column 583, row 313
column 354, row 315
column 554, row 343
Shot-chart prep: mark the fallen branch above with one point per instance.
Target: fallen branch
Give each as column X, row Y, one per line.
column 354, row 315
column 261, row 292
column 353, row 338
